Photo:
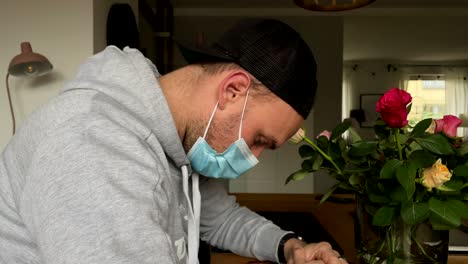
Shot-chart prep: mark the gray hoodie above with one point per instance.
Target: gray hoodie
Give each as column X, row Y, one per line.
column 97, row 175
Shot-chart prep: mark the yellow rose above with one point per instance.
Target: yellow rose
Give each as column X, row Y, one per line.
column 436, row 175
column 298, row 137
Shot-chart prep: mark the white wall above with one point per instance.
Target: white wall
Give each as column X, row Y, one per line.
column 60, row 30
column 65, row 31
column 324, row 36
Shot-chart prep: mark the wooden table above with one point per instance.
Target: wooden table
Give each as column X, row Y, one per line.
column 336, row 218
column 229, row 258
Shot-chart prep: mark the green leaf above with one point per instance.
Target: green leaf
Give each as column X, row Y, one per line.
column 464, row 186
column 323, row 143
column 437, row 144
column 384, row 216
column 334, row 151
column 378, row 198
column 446, row 212
column 306, row 151
column 420, row 194
column 342, row 144
column 408, row 108
column 421, row 159
column 389, row 169
column 372, row 187
column 371, row 209
column 340, row 129
column 317, row 163
column 413, row 146
column 330, row 192
column 380, row 122
column 454, row 184
column 355, row 179
column 445, row 188
column 438, row 224
column 414, row 213
column 355, row 137
column 362, row 148
column 381, row 130
column 399, row 194
column 306, row 165
column 464, row 211
column 421, row 127
column 463, row 149
column 461, row 171
column 296, row 176
column 346, row 186
column 402, row 138
column 406, row 175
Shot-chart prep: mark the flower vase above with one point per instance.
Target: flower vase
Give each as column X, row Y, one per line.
column 398, row 243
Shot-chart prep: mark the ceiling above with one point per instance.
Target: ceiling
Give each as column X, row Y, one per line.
column 398, row 30
column 290, row 4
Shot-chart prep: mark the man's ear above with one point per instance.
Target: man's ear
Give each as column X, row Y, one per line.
column 233, row 87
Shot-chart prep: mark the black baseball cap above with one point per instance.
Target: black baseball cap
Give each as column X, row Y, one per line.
column 271, row 51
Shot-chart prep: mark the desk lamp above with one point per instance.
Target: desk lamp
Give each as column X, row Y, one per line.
column 26, row 64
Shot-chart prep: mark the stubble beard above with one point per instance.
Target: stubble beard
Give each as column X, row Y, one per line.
column 220, row 135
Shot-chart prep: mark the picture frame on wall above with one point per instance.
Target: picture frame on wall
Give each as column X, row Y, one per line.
column 367, row 103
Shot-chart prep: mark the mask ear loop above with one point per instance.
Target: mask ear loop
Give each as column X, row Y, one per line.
column 243, row 111
column 216, row 108
column 211, row 119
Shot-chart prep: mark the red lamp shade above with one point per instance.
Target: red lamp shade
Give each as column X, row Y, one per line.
column 29, row 63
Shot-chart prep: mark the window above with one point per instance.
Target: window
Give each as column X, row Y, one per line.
column 428, row 94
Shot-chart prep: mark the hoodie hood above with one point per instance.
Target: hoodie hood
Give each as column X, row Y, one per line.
column 112, row 72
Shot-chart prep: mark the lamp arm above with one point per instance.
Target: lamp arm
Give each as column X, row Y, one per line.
column 11, row 104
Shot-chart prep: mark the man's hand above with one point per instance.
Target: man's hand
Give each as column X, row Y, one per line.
column 298, row 252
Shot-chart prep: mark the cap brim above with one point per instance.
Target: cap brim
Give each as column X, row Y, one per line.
column 198, row 54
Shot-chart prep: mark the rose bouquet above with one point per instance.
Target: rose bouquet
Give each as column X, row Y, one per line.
column 405, row 177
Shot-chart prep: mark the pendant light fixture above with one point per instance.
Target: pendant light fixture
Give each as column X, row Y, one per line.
column 332, row 5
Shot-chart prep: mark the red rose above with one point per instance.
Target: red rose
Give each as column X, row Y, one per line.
column 392, row 107
column 448, row 125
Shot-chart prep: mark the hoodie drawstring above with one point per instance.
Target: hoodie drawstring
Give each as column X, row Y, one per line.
column 193, row 220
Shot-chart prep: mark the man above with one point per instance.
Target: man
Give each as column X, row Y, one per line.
column 110, row 171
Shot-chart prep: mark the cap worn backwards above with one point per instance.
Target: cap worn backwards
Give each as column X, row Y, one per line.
column 271, row 51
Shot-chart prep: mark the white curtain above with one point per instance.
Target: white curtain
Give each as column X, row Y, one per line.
column 456, row 93
column 403, row 79
column 377, row 77
column 367, row 78
column 348, row 76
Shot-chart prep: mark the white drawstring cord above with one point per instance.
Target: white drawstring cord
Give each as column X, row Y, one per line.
column 193, row 220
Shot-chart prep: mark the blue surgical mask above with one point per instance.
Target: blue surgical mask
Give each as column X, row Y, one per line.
column 233, row 162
